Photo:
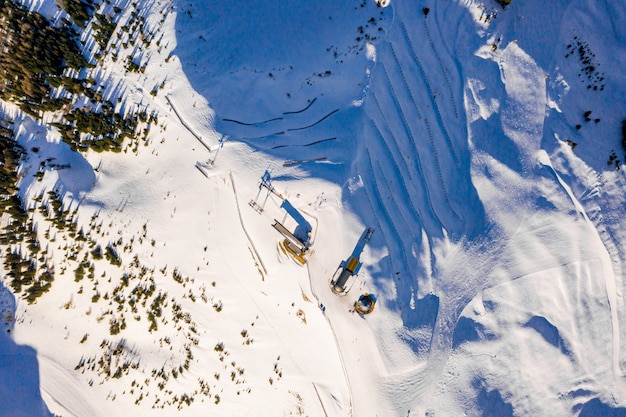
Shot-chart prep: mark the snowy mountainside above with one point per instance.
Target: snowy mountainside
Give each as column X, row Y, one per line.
column 481, row 142
column 551, row 186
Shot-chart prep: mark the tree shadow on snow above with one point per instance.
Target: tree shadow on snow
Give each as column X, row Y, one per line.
column 75, row 174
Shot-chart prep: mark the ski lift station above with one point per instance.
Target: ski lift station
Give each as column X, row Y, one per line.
column 298, row 241
column 351, row 266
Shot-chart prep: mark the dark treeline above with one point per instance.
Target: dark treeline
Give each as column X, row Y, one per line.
column 33, row 60
column 19, row 232
column 34, row 56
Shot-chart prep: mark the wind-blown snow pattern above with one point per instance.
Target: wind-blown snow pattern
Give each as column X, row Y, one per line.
column 458, row 130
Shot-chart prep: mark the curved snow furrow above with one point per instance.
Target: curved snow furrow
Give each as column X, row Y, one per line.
column 418, row 162
column 431, row 95
column 406, row 83
column 386, row 123
column 433, row 150
column 395, row 234
column 410, row 226
column 398, row 107
column 396, row 170
column 443, row 188
column 384, row 232
column 429, row 133
column 443, row 70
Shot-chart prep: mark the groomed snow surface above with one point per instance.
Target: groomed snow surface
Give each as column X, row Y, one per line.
column 498, row 252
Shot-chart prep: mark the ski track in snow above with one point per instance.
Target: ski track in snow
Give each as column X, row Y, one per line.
column 609, row 285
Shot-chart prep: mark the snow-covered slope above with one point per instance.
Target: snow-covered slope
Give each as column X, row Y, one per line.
column 473, row 138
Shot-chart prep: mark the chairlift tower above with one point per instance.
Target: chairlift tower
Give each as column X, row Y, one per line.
column 265, row 184
column 221, row 142
column 204, row 166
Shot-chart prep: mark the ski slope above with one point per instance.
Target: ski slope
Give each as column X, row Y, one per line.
column 498, row 252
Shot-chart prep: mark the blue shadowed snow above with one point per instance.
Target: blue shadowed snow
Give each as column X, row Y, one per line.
column 492, row 404
column 19, row 369
column 466, row 330
column 596, row 408
column 75, row 174
column 287, row 54
column 548, row 331
column 425, row 313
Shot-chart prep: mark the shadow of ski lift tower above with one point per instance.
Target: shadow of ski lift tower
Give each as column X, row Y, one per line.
column 265, row 184
column 204, row 166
